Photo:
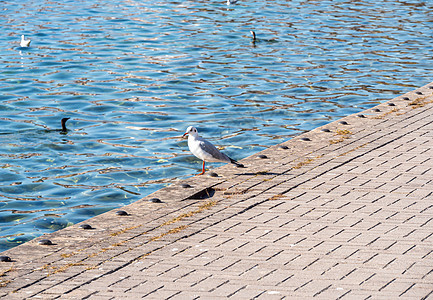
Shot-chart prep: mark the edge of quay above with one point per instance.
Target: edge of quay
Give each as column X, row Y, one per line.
column 156, row 221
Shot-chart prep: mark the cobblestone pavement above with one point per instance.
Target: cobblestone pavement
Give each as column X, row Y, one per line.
column 344, row 211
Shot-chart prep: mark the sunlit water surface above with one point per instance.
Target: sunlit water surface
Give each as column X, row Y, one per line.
column 133, row 75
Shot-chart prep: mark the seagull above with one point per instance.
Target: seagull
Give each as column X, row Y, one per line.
column 204, row 150
column 231, row 2
column 24, row 42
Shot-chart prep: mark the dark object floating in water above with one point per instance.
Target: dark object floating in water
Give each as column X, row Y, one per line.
column 64, row 129
column 185, row 185
column 121, row 213
column 45, row 242
column 5, row 258
column 255, row 39
column 262, row 156
column 155, row 200
column 86, row 226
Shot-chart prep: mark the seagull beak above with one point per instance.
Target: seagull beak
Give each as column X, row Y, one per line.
column 184, row 134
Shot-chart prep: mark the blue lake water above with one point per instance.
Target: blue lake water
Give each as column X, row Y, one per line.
column 133, row 75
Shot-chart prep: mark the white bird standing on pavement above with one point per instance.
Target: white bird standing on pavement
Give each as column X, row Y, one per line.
column 204, row 150
column 24, row 42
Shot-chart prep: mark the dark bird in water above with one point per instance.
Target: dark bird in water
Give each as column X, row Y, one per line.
column 46, row 129
column 64, row 129
column 254, row 36
column 255, row 39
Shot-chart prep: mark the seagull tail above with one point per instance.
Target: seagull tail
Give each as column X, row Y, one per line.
column 236, row 163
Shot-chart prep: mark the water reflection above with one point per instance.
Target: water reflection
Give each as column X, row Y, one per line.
column 133, row 75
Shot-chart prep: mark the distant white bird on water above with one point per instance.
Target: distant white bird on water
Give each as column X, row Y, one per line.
column 204, row 150
column 231, row 2
column 24, row 42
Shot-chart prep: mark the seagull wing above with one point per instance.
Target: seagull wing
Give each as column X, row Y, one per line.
column 212, row 153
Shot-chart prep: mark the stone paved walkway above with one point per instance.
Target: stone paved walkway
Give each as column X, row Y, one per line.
column 339, row 214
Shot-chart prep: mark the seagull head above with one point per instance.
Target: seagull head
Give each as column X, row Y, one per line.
column 191, row 130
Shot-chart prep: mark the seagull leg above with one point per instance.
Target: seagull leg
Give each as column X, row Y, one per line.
column 202, row 171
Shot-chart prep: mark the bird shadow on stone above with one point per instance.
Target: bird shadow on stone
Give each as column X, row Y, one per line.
column 203, row 194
